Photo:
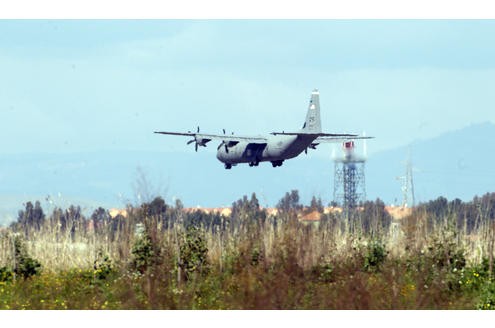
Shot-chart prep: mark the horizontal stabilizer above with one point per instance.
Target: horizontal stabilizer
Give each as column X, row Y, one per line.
column 314, row 134
column 338, row 139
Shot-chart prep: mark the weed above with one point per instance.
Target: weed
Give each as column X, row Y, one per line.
column 487, row 298
column 375, row 255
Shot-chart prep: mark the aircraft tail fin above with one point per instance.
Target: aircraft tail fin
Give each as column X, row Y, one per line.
column 313, row 121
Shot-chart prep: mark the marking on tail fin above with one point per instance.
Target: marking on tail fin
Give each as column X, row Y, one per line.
column 312, row 124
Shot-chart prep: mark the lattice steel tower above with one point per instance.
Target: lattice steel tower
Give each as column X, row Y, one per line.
column 407, row 186
column 349, row 181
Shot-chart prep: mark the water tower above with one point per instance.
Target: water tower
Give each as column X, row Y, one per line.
column 349, row 183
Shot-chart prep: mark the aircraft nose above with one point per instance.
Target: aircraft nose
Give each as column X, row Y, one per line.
column 220, row 155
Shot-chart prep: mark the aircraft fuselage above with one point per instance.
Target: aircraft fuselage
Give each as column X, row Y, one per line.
column 277, row 149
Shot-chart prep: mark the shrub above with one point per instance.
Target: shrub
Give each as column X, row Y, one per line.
column 28, row 267
column 323, row 271
column 375, row 255
column 6, row 274
column 142, row 253
column 102, row 266
column 445, row 252
column 25, row 266
column 487, row 299
column 193, row 251
column 256, row 256
column 474, row 277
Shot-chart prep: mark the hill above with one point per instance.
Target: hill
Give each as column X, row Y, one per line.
column 454, row 165
column 458, row 164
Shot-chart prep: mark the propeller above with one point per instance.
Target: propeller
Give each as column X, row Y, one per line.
column 199, row 142
column 196, row 145
column 224, row 144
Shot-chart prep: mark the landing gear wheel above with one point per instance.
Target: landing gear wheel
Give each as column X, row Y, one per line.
column 277, row 163
column 228, row 166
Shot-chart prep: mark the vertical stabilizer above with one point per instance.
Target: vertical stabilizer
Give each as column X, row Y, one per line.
column 313, row 121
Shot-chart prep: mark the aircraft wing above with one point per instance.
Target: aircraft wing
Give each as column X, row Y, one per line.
column 220, row 137
column 233, row 138
column 176, row 133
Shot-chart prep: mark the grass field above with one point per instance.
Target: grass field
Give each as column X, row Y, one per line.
column 160, row 257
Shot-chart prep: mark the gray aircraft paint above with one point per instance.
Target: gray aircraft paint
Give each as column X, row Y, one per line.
column 274, row 148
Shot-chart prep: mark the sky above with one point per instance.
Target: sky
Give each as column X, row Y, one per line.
column 90, row 85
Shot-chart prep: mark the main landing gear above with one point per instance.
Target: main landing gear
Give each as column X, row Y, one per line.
column 277, row 163
column 255, row 163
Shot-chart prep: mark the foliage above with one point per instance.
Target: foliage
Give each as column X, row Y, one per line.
column 444, row 250
column 31, row 216
column 375, row 255
column 487, row 297
column 193, row 252
column 100, row 218
column 256, row 256
column 290, row 202
column 246, row 212
column 316, row 204
column 6, row 274
column 24, row 266
column 374, row 217
column 323, row 271
column 142, row 253
column 102, row 266
column 160, row 256
column 28, row 267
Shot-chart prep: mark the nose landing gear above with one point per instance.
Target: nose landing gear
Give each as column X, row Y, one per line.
column 228, row 166
column 277, row 163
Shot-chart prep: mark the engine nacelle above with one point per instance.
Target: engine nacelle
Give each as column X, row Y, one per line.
column 202, row 141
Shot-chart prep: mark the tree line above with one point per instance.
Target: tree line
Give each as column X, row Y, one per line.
column 372, row 215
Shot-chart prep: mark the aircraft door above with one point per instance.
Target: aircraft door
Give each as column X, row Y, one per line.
column 254, row 152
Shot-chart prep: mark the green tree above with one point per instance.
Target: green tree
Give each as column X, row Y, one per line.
column 31, row 217
column 316, row 204
column 375, row 219
column 100, row 218
column 24, row 265
column 290, row 202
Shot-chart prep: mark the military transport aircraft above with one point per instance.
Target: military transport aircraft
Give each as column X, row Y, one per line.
column 275, row 147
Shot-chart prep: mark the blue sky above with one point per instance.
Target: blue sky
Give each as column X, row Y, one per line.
column 85, row 85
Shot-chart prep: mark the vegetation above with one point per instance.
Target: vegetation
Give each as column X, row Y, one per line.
column 160, row 256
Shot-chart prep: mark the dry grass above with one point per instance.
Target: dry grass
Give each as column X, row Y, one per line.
column 264, row 263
